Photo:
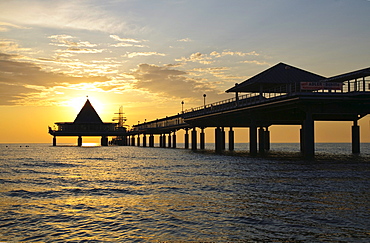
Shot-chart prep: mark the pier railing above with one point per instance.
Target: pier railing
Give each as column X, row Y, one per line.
column 266, row 95
column 173, row 121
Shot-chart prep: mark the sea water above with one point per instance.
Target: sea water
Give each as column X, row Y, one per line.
column 136, row 194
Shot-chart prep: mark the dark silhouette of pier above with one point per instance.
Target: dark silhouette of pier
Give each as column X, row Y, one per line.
column 87, row 123
column 280, row 95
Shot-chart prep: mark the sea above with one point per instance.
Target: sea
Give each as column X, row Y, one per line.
column 134, row 194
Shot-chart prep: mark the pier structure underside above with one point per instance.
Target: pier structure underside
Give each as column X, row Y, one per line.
column 103, row 134
column 300, row 109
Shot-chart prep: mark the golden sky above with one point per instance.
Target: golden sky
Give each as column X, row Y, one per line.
column 148, row 56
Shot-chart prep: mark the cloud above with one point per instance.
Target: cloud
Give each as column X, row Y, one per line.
column 238, row 53
column 10, row 46
column 117, row 38
column 135, row 54
column 7, row 26
column 233, row 53
column 171, row 82
column 65, row 41
column 196, row 57
column 185, row 40
column 83, row 15
column 76, row 50
column 210, row 58
column 22, row 79
column 257, row 63
column 126, row 42
column 12, row 94
column 73, row 47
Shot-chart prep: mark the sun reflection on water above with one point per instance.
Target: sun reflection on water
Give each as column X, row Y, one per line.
column 90, row 144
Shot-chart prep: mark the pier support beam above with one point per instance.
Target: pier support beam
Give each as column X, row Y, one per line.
column 308, row 130
column 194, row 139
column 163, row 140
column 144, row 140
column 261, row 140
column 169, row 140
column 301, row 140
column 267, row 139
column 355, row 138
column 174, row 139
column 151, row 140
column 55, row 141
column 104, row 141
column 138, row 140
column 231, row 139
column 132, row 140
column 253, row 139
column 79, row 141
column 223, row 138
column 218, row 140
column 202, row 138
column 160, row 140
column 186, row 140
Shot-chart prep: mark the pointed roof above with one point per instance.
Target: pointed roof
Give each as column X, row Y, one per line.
column 87, row 115
column 279, row 74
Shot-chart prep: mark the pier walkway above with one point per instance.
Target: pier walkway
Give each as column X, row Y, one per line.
column 281, row 95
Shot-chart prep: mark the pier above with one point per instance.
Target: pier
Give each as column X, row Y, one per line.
column 87, row 124
column 280, row 95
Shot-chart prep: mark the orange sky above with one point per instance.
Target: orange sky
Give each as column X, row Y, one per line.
column 148, row 56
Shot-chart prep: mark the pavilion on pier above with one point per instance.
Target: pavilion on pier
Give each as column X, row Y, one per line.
column 87, row 123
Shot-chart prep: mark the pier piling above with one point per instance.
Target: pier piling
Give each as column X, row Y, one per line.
column 202, row 138
column 355, row 138
column 253, row 139
column 231, row 139
column 194, row 139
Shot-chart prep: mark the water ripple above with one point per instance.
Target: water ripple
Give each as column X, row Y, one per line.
column 130, row 194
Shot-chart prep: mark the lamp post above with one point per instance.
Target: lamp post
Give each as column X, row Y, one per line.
column 204, row 100
column 182, row 107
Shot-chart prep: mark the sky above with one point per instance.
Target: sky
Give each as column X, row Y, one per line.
column 149, row 56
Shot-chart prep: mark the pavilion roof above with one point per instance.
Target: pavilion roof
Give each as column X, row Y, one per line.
column 87, row 115
column 279, row 74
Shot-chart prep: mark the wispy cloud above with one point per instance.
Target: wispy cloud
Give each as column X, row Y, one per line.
column 10, row 46
column 84, row 15
column 196, row 57
column 76, row 50
column 211, row 57
column 117, row 38
column 171, row 82
column 66, row 41
column 185, row 40
column 234, row 53
column 126, row 42
column 135, row 54
column 261, row 63
column 73, row 47
column 7, row 26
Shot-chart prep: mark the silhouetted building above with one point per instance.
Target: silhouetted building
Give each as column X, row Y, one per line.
column 87, row 123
